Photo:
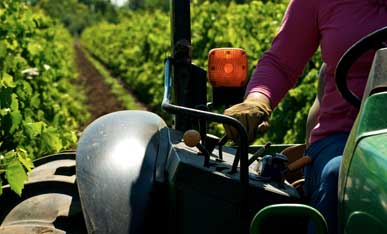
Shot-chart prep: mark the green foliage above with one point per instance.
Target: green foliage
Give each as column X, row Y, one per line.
column 78, row 14
column 15, row 173
column 148, row 5
column 39, row 108
column 136, row 47
column 165, row 5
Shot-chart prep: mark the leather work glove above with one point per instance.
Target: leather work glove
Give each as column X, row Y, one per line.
column 253, row 114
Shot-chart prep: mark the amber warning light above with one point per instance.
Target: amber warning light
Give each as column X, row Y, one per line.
column 227, row 67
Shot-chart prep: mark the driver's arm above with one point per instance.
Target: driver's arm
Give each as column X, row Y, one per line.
column 279, row 68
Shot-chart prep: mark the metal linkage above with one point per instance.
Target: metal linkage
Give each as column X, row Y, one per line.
column 208, row 116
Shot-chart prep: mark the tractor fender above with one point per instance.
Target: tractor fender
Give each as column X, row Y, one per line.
column 116, row 163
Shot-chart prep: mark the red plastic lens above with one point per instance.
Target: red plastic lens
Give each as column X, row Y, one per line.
column 227, row 67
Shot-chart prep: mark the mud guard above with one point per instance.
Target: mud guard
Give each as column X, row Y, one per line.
column 117, row 159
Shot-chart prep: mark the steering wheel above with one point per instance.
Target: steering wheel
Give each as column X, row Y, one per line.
column 374, row 40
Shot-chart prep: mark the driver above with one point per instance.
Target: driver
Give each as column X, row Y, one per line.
column 334, row 25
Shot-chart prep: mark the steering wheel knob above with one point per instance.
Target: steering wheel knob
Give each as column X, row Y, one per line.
column 191, row 138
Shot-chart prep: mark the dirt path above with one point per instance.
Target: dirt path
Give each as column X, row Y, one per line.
column 100, row 99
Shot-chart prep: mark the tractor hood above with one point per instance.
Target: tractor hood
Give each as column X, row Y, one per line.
column 363, row 183
column 117, row 160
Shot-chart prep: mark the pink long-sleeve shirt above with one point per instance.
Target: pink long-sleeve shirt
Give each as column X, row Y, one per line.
column 334, row 25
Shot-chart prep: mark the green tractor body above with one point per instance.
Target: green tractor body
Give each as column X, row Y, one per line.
column 363, row 176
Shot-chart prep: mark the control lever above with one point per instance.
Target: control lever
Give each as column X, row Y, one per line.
column 255, row 156
column 192, row 138
column 213, row 141
column 300, row 163
column 259, row 153
column 221, row 143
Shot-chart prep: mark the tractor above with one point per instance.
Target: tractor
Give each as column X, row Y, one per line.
column 131, row 173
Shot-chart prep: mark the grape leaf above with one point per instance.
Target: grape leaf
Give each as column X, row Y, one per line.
column 16, row 118
column 7, row 81
column 33, row 129
column 3, row 49
column 24, row 159
column 16, row 176
column 35, row 101
column 50, row 140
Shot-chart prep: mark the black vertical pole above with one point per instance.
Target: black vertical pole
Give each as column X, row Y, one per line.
column 181, row 53
column 185, row 90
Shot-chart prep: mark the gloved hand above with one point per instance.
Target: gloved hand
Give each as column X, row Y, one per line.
column 253, row 113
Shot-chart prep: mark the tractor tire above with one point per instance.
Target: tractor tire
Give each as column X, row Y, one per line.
column 49, row 202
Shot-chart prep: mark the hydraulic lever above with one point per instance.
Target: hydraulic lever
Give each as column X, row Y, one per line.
column 192, row 139
column 259, row 153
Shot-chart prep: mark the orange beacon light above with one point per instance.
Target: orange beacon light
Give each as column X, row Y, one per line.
column 227, row 67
